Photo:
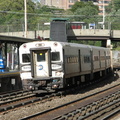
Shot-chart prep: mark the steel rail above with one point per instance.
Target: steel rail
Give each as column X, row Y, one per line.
column 64, row 105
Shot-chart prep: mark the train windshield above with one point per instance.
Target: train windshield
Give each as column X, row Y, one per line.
column 55, row 56
column 41, row 57
column 26, row 58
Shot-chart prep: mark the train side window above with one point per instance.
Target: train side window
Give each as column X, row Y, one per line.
column 55, row 56
column 40, row 57
column 26, row 58
column 87, row 59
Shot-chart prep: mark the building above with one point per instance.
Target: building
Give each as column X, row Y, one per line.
column 63, row 4
column 67, row 4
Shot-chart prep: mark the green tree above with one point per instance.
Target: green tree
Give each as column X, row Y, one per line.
column 116, row 5
column 85, row 11
column 79, row 5
column 12, row 14
column 16, row 5
column 113, row 6
column 82, row 14
column 13, row 10
column 113, row 14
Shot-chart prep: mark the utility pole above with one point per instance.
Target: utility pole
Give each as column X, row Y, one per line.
column 103, row 15
column 25, row 17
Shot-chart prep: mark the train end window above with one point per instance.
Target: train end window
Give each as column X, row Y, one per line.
column 41, row 57
column 55, row 56
column 26, row 58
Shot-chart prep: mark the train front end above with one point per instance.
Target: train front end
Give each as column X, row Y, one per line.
column 46, row 66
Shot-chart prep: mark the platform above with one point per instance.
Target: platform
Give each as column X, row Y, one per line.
column 10, row 81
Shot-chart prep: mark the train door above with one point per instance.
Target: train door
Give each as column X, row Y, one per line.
column 41, row 66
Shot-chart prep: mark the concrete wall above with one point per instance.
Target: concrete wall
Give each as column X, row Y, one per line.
column 88, row 32
column 76, row 32
column 30, row 34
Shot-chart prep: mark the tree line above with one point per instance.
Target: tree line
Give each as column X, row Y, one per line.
column 12, row 12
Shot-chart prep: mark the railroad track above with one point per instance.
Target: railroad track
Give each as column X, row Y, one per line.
column 88, row 107
column 12, row 95
column 11, row 104
column 25, row 100
column 113, row 114
column 20, row 98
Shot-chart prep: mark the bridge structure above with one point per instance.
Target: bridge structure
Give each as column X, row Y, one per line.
column 71, row 34
column 105, row 36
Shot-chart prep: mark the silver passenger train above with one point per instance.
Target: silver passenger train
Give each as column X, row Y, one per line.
column 53, row 65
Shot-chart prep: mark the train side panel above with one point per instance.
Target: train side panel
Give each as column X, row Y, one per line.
column 96, row 59
column 102, row 59
column 71, row 60
column 86, row 60
column 77, row 60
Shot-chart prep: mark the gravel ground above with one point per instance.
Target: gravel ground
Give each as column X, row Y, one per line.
column 19, row 113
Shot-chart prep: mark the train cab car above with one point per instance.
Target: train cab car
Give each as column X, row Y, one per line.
column 41, row 65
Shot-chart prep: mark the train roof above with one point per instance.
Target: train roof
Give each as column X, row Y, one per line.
column 68, row 44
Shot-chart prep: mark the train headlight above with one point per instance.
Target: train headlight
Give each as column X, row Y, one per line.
column 24, row 46
column 58, row 74
column 55, row 44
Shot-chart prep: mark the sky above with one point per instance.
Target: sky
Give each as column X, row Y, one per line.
column 36, row 0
